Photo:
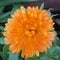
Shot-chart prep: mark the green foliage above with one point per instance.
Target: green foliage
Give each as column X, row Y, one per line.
column 2, row 41
column 42, row 6
column 5, row 52
column 1, row 9
column 16, row 4
column 52, row 54
column 1, row 28
column 4, row 3
column 56, row 42
column 13, row 56
column 4, row 17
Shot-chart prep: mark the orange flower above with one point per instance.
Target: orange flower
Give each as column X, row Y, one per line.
column 29, row 30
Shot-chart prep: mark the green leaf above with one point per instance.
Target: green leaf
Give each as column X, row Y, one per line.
column 34, row 58
column 37, row 57
column 49, row 13
column 1, row 0
column 54, row 52
column 1, row 28
column 1, row 35
column 5, row 52
column 1, row 9
column 4, row 17
column 1, row 48
column 13, row 56
column 0, row 53
column 54, row 15
column 4, row 3
column 2, row 41
column 15, row 6
column 56, row 41
column 46, row 58
column 42, row 6
column 50, row 9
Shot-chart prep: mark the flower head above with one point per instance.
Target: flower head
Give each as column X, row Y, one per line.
column 29, row 30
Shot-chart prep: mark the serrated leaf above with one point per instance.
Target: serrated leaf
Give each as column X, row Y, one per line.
column 4, row 3
column 5, row 52
column 42, row 6
column 2, row 41
column 13, row 56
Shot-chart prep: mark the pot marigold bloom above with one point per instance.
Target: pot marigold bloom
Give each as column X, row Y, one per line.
column 29, row 31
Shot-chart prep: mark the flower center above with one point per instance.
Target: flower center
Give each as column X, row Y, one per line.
column 30, row 29
column 29, row 33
